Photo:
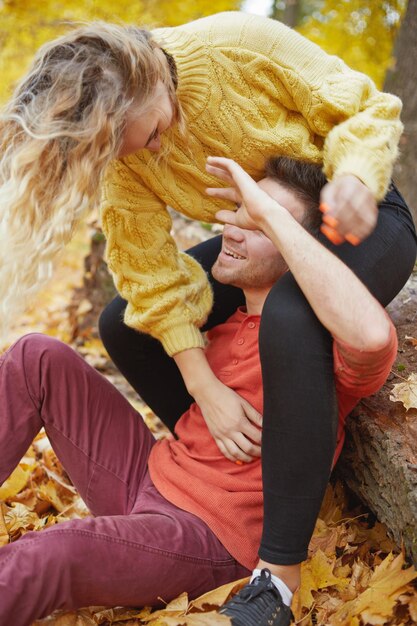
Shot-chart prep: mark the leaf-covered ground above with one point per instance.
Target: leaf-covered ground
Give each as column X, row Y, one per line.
column 354, row 576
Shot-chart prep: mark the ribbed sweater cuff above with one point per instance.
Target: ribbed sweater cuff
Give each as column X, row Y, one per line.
column 367, row 169
column 181, row 338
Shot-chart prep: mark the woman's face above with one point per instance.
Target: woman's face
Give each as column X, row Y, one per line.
column 145, row 130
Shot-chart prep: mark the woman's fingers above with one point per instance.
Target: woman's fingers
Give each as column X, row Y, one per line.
column 252, row 414
column 349, row 208
column 248, row 447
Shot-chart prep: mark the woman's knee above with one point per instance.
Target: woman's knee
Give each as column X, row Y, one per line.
column 110, row 323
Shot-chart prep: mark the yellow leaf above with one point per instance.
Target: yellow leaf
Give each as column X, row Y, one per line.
column 194, row 619
column 176, row 608
column 412, row 607
column 4, row 535
column 406, row 392
column 317, row 573
column 49, row 493
column 18, row 517
column 376, row 603
column 15, row 483
column 217, row 597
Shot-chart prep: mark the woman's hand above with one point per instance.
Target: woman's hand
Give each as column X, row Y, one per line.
column 232, row 421
column 253, row 203
column 350, row 210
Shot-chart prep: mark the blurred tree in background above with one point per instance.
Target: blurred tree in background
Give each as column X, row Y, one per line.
column 361, row 33
column 27, row 24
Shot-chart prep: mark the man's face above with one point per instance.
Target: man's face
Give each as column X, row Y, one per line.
column 248, row 258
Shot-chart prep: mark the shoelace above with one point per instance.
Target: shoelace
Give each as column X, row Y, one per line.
column 256, row 587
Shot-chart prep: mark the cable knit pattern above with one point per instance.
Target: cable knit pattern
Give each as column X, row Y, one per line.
column 250, row 88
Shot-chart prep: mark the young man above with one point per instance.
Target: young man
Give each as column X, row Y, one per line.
column 177, row 515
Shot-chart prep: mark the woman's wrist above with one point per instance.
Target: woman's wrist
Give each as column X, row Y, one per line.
column 195, row 370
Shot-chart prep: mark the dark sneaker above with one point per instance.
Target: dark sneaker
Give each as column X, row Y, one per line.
column 258, row 603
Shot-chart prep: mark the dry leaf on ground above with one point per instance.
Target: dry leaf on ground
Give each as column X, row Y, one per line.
column 406, row 392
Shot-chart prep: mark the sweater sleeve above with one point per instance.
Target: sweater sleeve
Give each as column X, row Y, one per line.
column 167, row 292
column 358, row 125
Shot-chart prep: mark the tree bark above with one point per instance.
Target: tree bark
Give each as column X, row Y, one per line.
column 289, row 15
column 401, row 80
column 379, row 460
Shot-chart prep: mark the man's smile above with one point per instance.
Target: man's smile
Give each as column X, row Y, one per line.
column 231, row 253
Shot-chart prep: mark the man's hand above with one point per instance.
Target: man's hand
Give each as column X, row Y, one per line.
column 253, row 203
column 231, row 420
column 350, row 210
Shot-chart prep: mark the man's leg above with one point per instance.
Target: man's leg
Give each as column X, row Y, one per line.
column 141, row 546
column 101, row 440
column 124, row 560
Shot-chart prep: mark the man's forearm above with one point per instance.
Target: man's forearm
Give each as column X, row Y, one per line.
column 339, row 299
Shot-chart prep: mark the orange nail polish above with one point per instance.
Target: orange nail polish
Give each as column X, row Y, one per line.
column 324, row 207
column 239, row 462
column 331, row 234
column 330, row 221
column 352, row 239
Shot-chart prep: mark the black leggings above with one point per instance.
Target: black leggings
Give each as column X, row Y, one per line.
column 300, row 408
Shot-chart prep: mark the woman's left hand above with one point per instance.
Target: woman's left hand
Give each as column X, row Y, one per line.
column 349, row 208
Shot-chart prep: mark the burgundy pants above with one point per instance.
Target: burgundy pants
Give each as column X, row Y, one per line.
column 138, row 546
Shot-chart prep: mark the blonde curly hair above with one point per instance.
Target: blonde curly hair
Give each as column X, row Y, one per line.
column 61, row 128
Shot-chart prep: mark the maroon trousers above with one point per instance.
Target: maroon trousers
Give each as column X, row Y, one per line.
column 139, row 546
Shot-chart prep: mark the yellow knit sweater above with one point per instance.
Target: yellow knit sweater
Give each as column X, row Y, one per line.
column 250, row 88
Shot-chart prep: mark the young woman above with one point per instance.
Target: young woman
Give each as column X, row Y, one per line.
column 149, row 108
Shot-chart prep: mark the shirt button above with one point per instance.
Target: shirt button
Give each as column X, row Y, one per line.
column 235, row 361
column 240, row 341
column 251, row 325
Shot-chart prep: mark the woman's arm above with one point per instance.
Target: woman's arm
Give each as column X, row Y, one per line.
column 169, row 297
column 231, row 420
column 168, row 294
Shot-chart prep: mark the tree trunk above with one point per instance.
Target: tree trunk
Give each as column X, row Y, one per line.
column 401, row 80
column 379, row 461
column 289, row 15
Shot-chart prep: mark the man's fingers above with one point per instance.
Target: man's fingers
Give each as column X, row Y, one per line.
column 226, row 193
column 219, row 172
column 241, row 179
column 228, row 217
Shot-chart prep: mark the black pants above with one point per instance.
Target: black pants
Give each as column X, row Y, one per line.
column 300, row 408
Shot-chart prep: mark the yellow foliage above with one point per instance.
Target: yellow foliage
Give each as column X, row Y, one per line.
column 361, row 33
column 317, row 573
column 26, row 24
column 376, row 603
column 15, row 483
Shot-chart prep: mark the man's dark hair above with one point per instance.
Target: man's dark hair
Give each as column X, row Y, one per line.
column 305, row 180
